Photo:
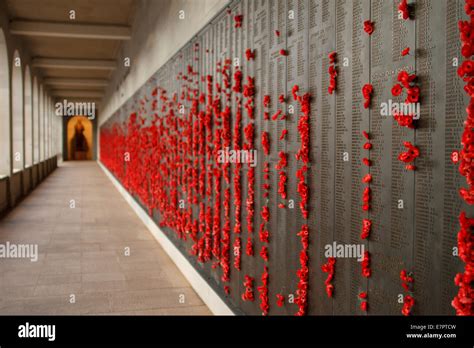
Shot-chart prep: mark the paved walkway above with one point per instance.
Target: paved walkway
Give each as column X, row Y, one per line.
column 81, row 253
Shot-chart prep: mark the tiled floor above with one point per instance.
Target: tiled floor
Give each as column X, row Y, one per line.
column 81, row 253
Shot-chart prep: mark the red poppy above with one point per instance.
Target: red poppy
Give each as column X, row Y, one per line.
column 276, row 115
column 238, row 21
column 294, row 92
column 249, row 54
column 280, row 300
column 404, row 9
column 411, row 154
column 367, row 91
column 369, row 27
column 283, row 53
column 367, row 178
column 406, row 51
column 396, row 90
column 366, row 228
column 266, row 101
column 408, row 303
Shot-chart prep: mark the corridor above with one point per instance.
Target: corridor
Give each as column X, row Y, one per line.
column 81, row 253
column 237, row 157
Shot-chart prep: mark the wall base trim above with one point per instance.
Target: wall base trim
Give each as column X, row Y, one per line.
column 199, row 284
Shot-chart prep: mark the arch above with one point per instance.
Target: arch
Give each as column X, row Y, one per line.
column 35, row 121
column 17, row 113
column 28, row 119
column 82, row 126
column 5, row 167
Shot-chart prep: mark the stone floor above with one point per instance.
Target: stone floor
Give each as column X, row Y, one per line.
column 81, row 253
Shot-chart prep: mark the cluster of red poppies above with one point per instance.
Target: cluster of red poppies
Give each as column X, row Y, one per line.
column 407, row 81
column 367, row 91
column 301, row 298
column 303, row 152
column 265, row 143
column 249, row 93
column 407, row 280
column 303, row 191
column 366, row 228
column 249, row 132
column 282, row 179
column 408, row 303
column 303, row 128
column 237, row 81
column 237, row 187
column 466, row 72
column 366, row 271
column 332, row 70
column 409, row 155
column 463, row 301
column 329, row 268
column 364, row 305
column 263, row 292
column 366, row 196
column 405, row 120
column 248, row 284
column 225, row 251
column 266, row 101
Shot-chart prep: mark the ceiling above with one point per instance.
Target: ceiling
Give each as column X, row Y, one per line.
column 77, row 56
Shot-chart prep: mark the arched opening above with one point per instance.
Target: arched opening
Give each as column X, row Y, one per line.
column 35, row 121
column 46, row 125
column 79, row 138
column 17, row 113
column 28, row 119
column 41, row 124
column 5, row 167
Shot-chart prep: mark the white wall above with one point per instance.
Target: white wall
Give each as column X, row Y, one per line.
column 157, row 34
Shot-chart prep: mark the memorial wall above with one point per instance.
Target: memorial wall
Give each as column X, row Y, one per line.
column 304, row 156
